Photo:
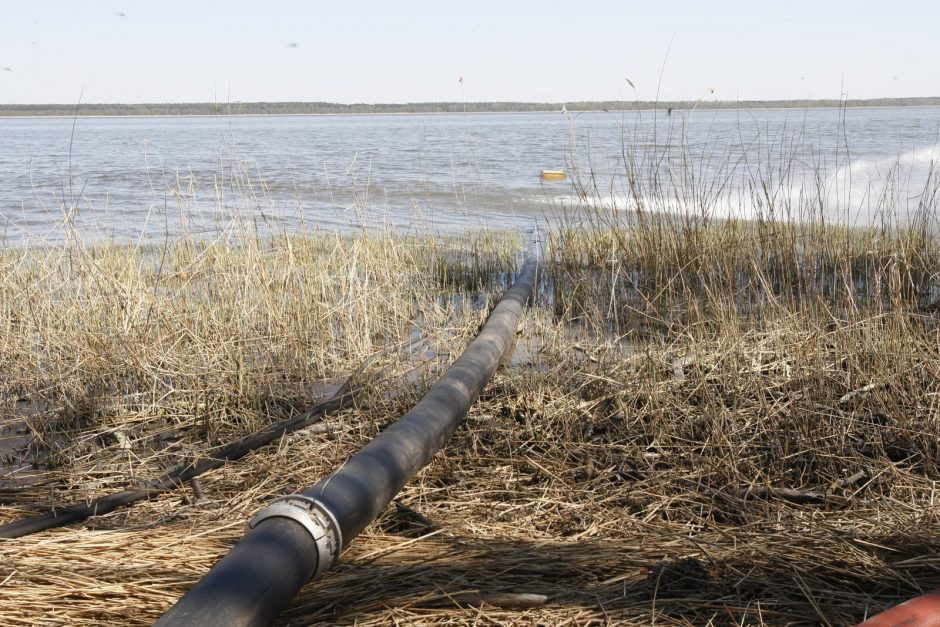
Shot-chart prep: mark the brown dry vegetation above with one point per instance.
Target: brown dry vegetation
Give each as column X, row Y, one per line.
column 706, row 421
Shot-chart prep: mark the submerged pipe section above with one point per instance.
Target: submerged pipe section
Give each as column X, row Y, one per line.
column 299, row 537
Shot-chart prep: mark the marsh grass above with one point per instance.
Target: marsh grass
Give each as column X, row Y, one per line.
column 720, row 419
column 134, row 348
column 766, row 382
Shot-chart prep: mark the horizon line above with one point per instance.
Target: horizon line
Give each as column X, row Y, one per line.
column 312, row 108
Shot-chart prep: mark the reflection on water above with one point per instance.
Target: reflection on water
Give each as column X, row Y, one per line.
column 126, row 177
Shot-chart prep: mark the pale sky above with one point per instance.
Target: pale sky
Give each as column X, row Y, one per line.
column 416, row 50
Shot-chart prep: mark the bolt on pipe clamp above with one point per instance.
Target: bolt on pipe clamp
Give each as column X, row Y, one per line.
column 316, row 519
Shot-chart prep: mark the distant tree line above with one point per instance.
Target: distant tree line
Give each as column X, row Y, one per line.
column 311, row 108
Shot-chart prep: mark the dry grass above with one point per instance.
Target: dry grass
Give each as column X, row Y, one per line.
column 128, row 360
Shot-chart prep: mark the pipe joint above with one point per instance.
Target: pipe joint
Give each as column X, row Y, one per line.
column 316, row 519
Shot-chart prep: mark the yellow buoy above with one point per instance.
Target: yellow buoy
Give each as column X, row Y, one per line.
column 553, row 175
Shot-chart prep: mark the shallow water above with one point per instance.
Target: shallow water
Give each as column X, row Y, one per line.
column 19, row 463
column 122, row 178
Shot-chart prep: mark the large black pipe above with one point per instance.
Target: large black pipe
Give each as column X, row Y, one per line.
column 300, row 537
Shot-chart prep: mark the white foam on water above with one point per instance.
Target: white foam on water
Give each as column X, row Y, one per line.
column 861, row 193
column 884, row 187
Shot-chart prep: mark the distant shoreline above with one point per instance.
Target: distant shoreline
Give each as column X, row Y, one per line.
column 419, row 108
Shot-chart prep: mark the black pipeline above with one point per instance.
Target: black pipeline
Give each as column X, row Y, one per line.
column 299, row 537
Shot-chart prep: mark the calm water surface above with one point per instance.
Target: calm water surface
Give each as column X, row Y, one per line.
column 127, row 178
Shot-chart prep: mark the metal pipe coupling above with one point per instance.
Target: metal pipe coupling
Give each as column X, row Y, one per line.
column 316, row 519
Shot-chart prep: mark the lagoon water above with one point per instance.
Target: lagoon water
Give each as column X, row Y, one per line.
column 125, row 179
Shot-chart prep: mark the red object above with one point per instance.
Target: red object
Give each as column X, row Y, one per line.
column 922, row 611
